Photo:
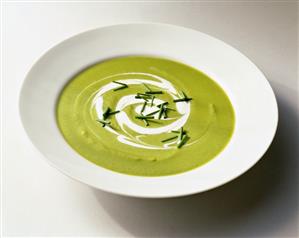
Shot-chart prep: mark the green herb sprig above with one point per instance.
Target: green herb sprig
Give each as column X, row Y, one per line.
column 152, row 113
column 104, row 123
column 183, row 141
column 107, row 113
column 153, row 92
column 182, row 137
column 150, row 91
column 152, row 101
column 143, row 107
column 143, row 96
column 185, row 98
column 169, row 139
column 123, row 86
column 144, row 118
column 161, row 111
column 147, row 87
column 182, row 132
column 162, row 104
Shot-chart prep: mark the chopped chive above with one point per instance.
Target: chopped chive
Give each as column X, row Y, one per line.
column 181, row 133
column 170, row 109
column 162, row 104
column 143, row 107
column 104, row 123
column 144, row 94
column 147, row 87
column 183, row 141
column 182, row 100
column 185, row 96
column 123, row 84
column 152, row 113
column 144, row 117
column 161, row 111
column 175, row 131
column 119, row 88
column 112, row 113
column 146, row 122
column 165, row 113
column 141, row 97
column 106, row 113
column 169, row 139
column 153, row 92
column 152, row 101
column 107, row 110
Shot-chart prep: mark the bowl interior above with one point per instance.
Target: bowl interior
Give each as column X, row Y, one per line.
column 249, row 91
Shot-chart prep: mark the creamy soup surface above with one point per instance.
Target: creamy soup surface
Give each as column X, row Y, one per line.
column 145, row 116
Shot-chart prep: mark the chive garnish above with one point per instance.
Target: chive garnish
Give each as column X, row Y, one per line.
column 104, row 123
column 143, row 107
column 183, row 141
column 123, row 84
column 161, row 111
column 165, row 113
column 106, row 113
column 144, row 117
column 162, row 104
column 147, row 87
column 152, row 113
column 119, row 88
column 175, row 131
column 181, row 133
column 112, row 113
column 152, row 101
column 143, row 96
column 153, row 92
column 184, row 99
column 146, row 122
column 169, row 139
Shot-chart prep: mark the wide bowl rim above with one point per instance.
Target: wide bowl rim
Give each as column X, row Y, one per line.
column 136, row 194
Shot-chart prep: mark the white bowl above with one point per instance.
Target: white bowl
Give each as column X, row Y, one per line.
column 250, row 93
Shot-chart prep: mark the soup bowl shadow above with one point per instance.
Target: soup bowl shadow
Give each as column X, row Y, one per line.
column 258, row 203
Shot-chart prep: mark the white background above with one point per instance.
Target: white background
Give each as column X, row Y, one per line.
column 38, row 200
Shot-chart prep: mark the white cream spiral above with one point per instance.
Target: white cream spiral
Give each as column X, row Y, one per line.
column 122, row 119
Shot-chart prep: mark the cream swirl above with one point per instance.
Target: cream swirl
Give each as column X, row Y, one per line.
column 125, row 122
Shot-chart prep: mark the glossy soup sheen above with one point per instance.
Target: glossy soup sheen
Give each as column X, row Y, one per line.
column 127, row 145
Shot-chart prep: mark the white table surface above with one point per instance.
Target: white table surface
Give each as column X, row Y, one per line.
column 40, row 201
